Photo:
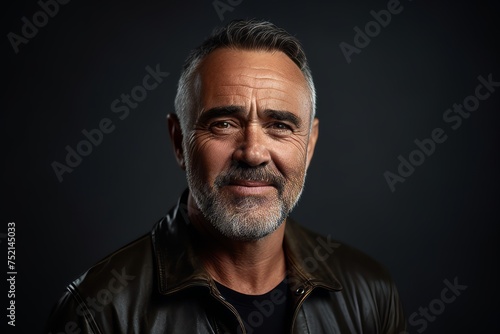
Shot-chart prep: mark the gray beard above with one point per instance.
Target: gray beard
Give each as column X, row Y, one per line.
column 243, row 219
column 248, row 218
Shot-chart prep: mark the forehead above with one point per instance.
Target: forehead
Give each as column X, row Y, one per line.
column 268, row 79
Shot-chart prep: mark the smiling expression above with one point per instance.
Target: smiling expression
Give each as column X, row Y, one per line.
column 251, row 141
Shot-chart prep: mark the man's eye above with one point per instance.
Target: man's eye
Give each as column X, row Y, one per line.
column 221, row 125
column 281, row 126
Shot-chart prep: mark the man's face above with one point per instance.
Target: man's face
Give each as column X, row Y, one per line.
column 247, row 155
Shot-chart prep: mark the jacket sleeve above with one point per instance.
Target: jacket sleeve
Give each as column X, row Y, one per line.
column 71, row 315
column 393, row 319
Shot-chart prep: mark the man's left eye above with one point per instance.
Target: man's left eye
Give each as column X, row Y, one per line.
column 221, row 125
column 281, row 126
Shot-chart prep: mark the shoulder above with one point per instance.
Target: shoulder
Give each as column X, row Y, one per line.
column 336, row 259
column 355, row 281
column 134, row 259
column 119, row 276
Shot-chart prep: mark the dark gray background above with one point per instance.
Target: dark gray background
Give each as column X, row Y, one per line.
column 439, row 224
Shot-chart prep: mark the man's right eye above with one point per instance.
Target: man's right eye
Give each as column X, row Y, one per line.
column 221, row 125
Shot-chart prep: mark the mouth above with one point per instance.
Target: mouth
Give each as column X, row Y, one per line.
column 250, row 187
column 249, row 183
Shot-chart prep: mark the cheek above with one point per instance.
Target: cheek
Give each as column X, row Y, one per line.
column 290, row 159
column 208, row 157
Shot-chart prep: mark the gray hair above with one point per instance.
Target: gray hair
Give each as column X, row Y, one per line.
column 239, row 34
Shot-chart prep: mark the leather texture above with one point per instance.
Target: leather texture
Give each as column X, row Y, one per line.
column 157, row 284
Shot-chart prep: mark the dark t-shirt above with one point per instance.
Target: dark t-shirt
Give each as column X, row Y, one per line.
column 261, row 314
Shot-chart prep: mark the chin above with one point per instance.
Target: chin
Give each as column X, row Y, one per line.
column 249, row 226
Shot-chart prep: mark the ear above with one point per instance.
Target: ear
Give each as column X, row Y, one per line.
column 313, row 138
column 174, row 129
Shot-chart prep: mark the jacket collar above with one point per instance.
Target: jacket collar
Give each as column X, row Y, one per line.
column 178, row 266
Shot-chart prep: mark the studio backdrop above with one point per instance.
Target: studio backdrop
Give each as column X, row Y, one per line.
column 405, row 169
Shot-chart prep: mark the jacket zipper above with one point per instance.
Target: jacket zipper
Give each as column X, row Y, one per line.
column 233, row 310
column 301, row 301
column 217, row 297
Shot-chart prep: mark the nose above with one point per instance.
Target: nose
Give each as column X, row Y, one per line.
column 253, row 150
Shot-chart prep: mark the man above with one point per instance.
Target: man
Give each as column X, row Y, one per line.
column 227, row 259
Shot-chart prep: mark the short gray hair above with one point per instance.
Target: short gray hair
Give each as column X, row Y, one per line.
column 246, row 35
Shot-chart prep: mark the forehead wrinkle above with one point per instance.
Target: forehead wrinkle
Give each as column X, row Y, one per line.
column 258, row 90
column 278, row 77
column 266, row 99
column 263, row 91
column 263, row 101
column 231, row 95
column 259, row 82
column 296, row 79
column 275, row 99
column 244, row 86
column 253, row 79
column 245, row 68
column 259, row 69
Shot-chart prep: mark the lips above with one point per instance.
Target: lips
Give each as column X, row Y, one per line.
column 249, row 183
column 249, row 187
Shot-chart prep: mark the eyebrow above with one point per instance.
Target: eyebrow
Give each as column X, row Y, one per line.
column 280, row 115
column 283, row 115
column 218, row 112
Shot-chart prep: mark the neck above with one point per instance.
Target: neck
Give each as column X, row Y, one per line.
column 249, row 267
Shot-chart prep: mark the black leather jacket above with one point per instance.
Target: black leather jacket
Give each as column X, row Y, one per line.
column 156, row 284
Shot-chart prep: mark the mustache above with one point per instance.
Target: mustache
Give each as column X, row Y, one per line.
column 258, row 174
